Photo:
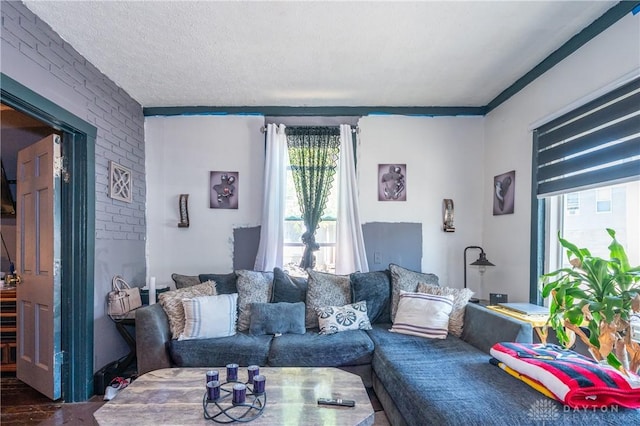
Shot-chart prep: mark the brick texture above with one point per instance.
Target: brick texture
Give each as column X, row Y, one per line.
column 118, row 117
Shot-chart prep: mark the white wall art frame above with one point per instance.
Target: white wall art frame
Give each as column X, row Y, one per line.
column 120, row 182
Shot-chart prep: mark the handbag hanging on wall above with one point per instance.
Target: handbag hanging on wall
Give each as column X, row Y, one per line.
column 122, row 299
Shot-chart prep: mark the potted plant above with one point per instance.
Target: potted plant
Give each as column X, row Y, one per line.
column 600, row 295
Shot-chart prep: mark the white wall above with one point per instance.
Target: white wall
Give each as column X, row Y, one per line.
column 181, row 151
column 444, row 160
column 442, row 156
column 611, row 56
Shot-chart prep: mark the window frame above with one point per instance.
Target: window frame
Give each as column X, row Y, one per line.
column 540, row 231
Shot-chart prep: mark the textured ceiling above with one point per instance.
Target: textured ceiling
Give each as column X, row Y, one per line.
column 213, row 53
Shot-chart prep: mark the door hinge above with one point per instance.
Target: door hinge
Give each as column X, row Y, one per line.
column 59, row 162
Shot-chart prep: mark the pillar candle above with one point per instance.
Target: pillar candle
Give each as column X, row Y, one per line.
column 213, row 390
column 252, row 371
column 152, row 290
column 212, row 375
column 232, row 372
column 259, row 383
column 239, row 393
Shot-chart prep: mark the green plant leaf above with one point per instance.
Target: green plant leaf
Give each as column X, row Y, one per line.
column 613, row 361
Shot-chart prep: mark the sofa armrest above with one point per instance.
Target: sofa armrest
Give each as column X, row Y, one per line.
column 152, row 338
column 483, row 328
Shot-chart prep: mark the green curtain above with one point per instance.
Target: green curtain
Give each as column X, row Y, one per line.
column 313, row 156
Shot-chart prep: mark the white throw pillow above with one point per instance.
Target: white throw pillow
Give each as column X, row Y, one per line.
column 424, row 315
column 333, row 319
column 209, row 316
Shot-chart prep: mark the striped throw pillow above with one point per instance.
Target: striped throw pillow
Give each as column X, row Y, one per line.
column 209, row 316
column 424, row 315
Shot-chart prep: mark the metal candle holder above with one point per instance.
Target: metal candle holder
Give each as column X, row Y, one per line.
column 224, row 410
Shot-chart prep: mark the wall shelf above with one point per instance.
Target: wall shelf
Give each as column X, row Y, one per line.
column 8, row 330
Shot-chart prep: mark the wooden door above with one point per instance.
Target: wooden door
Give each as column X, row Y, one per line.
column 39, row 355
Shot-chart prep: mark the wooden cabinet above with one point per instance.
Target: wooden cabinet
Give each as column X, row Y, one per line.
column 8, row 329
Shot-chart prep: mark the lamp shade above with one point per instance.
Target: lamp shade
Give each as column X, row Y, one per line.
column 482, row 260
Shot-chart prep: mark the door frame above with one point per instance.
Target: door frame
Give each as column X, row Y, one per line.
column 77, row 234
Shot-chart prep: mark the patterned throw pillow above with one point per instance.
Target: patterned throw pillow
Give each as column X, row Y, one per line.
column 171, row 302
column 460, row 298
column 334, row 319
column 325, row 290
column 403, row 279
column 209, row 316
column 424, row 315
column 253, row 287
column 184, row 281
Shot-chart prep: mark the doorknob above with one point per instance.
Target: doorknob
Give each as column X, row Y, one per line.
column 12, row 280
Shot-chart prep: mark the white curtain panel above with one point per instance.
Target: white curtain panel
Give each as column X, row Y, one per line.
column 273, row 204
column 350, row 251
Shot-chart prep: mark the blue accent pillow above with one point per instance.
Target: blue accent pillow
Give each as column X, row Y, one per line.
column 287, row 288
column 225, row 283
column 277, row 318
column 375, row 289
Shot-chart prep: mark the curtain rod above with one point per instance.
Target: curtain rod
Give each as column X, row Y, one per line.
column 356, row 129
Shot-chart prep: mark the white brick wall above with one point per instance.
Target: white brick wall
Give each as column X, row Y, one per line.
column 101, row 102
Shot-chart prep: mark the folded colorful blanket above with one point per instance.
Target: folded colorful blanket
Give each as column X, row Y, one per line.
column 575, row 380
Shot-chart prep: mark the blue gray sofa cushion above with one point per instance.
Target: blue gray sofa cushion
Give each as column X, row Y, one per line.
column 375, row 289
column 315, row 350
column 287, row 288
column 446, row 381
column 277, row 318
column 225, row 283
column 239, row 348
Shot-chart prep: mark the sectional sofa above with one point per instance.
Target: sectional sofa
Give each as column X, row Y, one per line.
column 417, row 380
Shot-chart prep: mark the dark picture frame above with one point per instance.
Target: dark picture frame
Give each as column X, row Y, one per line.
column 223, row 190
column 504, row 193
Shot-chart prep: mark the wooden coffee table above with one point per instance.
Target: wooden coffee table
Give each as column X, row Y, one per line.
column 173, row 396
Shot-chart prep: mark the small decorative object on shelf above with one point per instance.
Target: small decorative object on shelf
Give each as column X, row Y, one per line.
column 233, row 401
column 184, row 211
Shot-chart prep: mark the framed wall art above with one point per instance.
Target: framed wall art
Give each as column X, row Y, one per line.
column 504, row 189
column 120, row 182
column 223, row 189
column 392, row 182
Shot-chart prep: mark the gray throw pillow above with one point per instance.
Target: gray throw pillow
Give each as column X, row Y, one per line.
column 460, row 298
column 375, row 289
column 403, row 279
column 184, row 281
column 277, row 318
column 287, row 288
column 253, row 287
column 225, row 283
column 325, row 290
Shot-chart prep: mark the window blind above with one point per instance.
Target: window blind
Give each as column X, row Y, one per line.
column 591, row 145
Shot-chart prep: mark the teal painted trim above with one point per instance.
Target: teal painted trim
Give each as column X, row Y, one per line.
column 609, row 18
column 536, row 257
column 77, row 233
column 331, row 111
column 15, row 94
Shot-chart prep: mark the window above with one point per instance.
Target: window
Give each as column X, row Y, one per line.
column 326, row 235
column 572, row 202
column 588, row 228
column 603, row 200
column 587, row 178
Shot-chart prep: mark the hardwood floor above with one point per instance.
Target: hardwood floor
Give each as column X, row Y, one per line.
column 20, row 405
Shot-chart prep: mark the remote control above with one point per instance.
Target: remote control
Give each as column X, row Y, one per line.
column 339, row 402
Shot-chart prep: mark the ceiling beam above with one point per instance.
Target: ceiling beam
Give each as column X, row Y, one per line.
column 274, row 111
column 609, row 18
